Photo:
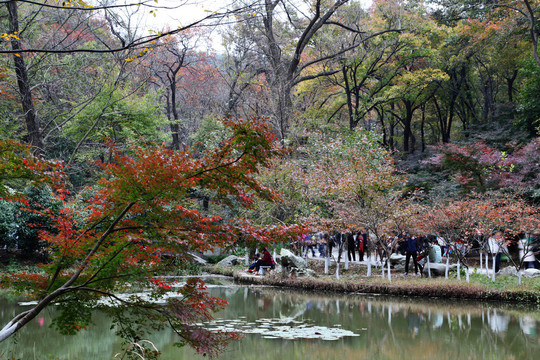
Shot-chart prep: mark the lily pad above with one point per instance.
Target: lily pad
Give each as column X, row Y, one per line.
column 275, row 328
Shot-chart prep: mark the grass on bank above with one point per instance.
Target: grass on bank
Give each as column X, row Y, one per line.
column 354, row 280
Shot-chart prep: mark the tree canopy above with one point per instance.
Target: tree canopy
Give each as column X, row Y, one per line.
column 121, row 147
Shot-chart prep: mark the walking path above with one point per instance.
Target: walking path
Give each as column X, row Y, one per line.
column 335, row 254
column 375, row 260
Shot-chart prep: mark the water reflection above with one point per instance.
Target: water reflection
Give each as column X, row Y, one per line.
column 393, row 328
column 389, row 328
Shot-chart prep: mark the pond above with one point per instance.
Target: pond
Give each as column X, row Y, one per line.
column 286, row 324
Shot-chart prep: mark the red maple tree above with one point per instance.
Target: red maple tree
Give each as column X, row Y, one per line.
column 141, row 210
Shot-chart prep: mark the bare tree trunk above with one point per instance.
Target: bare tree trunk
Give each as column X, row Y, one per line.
column 493, row 263
column 175, row 123
column 428, row 267
column 488, row 92
column 407, row 129
column 391, row 132
column 510, row 85
column 286, row 71
column 481, row 260
column 284, row 107
column 380, row 115
column 32, row 125
column 422, row 132
column 347, row 251
column 533, row 30
column 328, row 254
column 349, row 98
column 487, row 264
column 368, row 274
column 447, row 266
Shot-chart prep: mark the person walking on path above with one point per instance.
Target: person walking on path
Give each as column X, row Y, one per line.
column 361, row 241
column 411, row 251
column 351, row 248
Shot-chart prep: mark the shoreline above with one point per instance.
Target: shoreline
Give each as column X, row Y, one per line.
column 402, row 287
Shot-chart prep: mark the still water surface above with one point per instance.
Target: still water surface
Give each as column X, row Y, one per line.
column 377, row 328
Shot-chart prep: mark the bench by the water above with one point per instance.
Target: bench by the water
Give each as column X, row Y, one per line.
column 264, row 269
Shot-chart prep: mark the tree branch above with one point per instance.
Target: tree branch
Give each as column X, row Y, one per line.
column 142, row 41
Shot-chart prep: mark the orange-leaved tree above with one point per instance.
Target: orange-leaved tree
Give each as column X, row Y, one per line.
column 459, row 223
column 141, row 210
column 351, row 181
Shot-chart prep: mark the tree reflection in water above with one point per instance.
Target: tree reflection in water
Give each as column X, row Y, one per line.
column 389, row 328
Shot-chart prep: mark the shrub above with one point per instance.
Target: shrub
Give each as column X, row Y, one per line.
column 20, row 224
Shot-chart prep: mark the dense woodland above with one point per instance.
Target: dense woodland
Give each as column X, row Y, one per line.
column 414, row 73
column 404, row 103
column 418, row 116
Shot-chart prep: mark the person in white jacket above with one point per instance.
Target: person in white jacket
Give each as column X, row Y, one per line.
column 496, row 247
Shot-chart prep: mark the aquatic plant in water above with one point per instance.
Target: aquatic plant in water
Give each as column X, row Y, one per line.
column 279, row 328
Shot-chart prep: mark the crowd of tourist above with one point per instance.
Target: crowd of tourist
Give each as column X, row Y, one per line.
column 417, row 249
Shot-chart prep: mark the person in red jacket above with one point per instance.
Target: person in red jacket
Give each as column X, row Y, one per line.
column 265, row 260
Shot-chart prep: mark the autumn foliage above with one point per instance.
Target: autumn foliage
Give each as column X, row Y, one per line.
column 18, row 163
column 143, row 209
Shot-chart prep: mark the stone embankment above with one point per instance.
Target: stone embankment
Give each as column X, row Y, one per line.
column 291, row 272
